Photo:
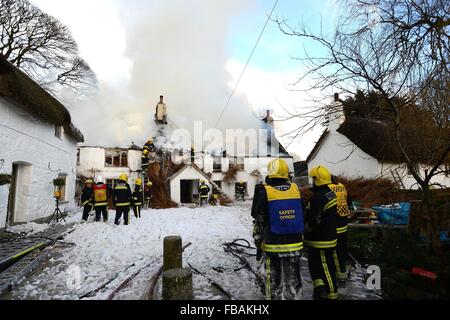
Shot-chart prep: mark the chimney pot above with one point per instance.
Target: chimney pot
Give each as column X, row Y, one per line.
column 336, row 97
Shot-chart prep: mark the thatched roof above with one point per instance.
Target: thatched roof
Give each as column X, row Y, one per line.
column 377, row 139
column 16, row 86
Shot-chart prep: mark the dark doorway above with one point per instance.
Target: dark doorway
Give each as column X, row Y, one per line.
column 189, row 191
column 12, row 195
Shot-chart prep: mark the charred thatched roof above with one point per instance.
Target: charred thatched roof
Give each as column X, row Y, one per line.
column 16, row 86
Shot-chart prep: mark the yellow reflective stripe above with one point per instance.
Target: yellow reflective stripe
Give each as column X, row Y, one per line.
column 342, row 230
column 330, row 204
column 86, row 202
column 138, row 204
column 327, row 272
column 333, row 296
column 282, row 247
column 318, row 283
column 268, row 288
column 321, row 244
column 40, row 244
column 341, row 275
column 336, row 262
column 101, row 204
column 120, row 188
column 123, row 204
column 274, row 194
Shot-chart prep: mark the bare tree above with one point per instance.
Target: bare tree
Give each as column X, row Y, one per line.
column 42, row 47
column 400, row 50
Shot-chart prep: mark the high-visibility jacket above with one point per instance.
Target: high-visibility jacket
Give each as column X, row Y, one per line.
column 203, row 190
column 122, row 195
column 100, row 194
column 320, row 219
column 278, row 212
column 343, row 211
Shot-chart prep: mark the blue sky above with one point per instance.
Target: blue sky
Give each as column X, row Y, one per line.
column 275, row 49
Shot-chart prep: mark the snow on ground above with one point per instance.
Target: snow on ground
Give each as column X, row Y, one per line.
column 28, row 228
column 102, row 251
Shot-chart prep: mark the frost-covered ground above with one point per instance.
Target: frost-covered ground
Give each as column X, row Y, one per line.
column 102, row 251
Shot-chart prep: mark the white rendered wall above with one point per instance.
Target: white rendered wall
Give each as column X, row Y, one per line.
column 188, row 174
column 25, row 139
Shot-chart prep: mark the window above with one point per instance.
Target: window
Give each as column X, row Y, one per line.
column 238, row 163
column 217, row 165
column 116, row 159
column 59, row 130
column 219, row 184
column 62, row 189
column 111, row 183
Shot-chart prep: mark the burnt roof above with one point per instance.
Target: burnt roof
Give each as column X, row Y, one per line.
column 16, row 86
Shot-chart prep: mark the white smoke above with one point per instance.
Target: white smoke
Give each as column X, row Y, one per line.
column 178, row 49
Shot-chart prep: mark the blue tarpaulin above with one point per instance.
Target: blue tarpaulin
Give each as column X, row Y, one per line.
column 397, row 213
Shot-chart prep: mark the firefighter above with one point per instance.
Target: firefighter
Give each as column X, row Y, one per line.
column 277, row 211
column 122, row 200
column 101, row 194
column 343, row 216
column 148, row 194
column 138, row 198
column 215, row 197
column 240, row 190
column 321, row 236
column 203, row 191
column 87, row 199
column 147, row 151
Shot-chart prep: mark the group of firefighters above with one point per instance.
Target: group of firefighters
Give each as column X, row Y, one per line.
column 96, row 196
column 284, row 224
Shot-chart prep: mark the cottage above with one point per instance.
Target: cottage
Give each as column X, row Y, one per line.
column 359, row 147
column 109, row 163
column 38, row 144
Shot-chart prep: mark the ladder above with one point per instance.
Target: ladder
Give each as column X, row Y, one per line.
column 398, row 180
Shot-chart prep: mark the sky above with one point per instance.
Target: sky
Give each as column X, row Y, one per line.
column 194, row 52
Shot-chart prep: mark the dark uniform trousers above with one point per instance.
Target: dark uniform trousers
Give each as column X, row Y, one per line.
column 125, row 211
column 321, row 263
column 86, row 210
column 340, row 257
column 283, row 277
column 137, row 210
column 101, row 211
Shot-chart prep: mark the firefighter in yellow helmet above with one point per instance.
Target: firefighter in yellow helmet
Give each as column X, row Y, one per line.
column 203, row 191
column 277, row 211
column 148, row 194
column 138, row 198
column 101, row 194
column 87, row 199
column 321, row 236
column 240, row 190
column 122, row 199
column 343, row 216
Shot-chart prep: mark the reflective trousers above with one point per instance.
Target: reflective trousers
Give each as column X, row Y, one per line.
column 99, row 211
column 340, row 257
column 322, row 268
column 122, row 211
column 283, row 278
column 137, row 210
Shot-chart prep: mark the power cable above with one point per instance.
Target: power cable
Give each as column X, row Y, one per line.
column 246, row 65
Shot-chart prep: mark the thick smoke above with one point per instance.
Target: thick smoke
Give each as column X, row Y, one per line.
column 177, row 48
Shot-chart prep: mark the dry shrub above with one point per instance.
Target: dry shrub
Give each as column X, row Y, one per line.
column 231, row 174
column 159, row 175
column 370, row 192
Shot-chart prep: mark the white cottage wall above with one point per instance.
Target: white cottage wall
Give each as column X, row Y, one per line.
column 27, row 140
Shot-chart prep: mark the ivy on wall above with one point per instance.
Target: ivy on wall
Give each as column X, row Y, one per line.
column 5, row 179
